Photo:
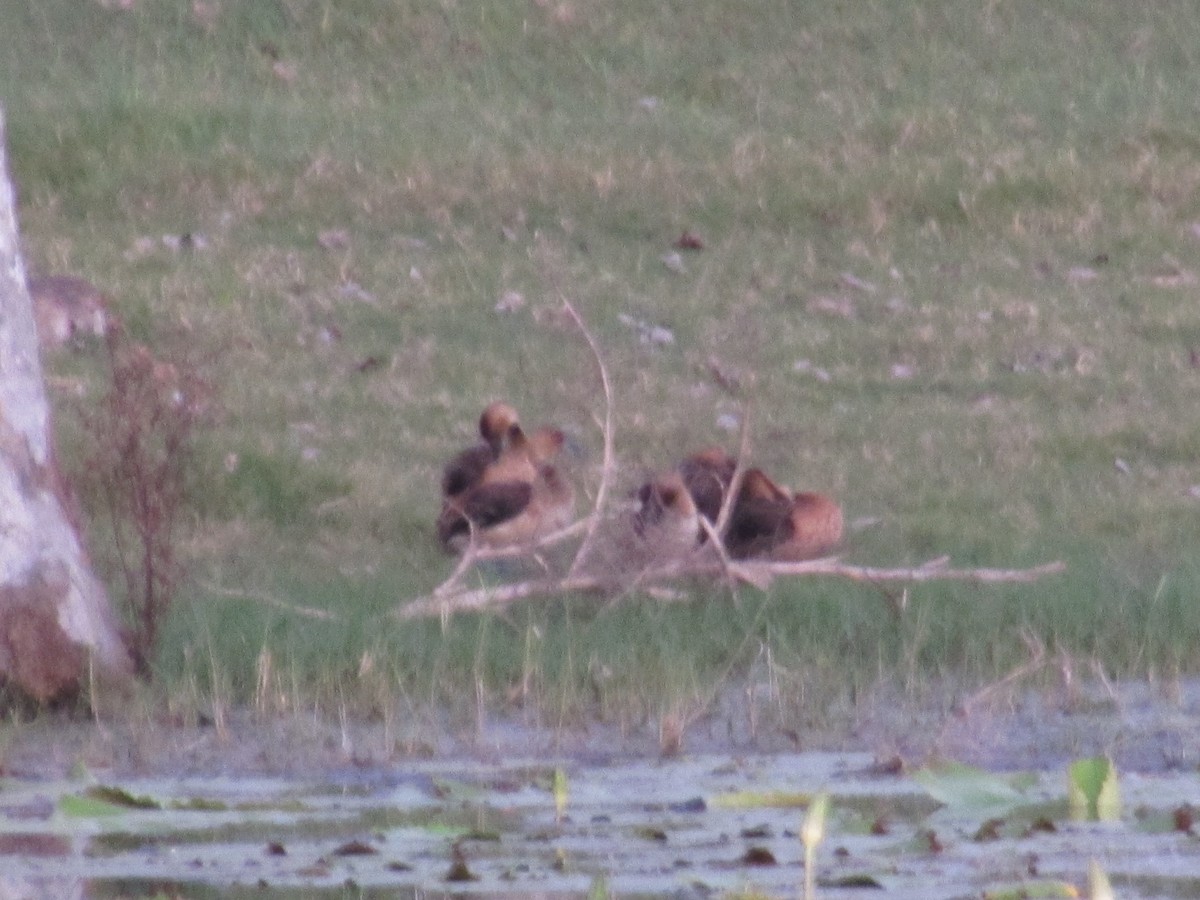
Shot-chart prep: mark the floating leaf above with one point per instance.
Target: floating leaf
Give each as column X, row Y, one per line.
column 990, row 830
column 121, row 797
column 1092, row 790
column 753, row 799
column 480, row 834
column 964, row 787
column 1032, row 890
column 198, row 804
column 84, row 807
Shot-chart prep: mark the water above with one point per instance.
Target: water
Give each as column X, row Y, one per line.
column 701, row 826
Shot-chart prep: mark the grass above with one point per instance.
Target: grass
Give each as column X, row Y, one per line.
column 976, row 222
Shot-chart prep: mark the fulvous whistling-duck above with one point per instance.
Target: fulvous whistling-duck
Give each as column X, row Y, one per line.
column 508, row 513
column 707, row 475
column 519, row 497
column 769, row 522
column 668, row 519
column 466, row 469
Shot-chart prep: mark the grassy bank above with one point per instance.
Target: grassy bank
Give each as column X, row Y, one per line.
column 949, row 255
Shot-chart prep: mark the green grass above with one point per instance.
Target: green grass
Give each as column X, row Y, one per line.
column 1013, row 183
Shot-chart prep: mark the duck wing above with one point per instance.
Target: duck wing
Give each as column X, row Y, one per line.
column 483, row 507
column 466, row 469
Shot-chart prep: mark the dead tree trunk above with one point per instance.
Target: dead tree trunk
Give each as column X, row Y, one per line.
column 56, row 622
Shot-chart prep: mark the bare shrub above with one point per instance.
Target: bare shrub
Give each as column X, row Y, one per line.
column 141, row 439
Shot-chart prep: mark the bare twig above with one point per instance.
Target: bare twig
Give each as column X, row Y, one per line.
column 474, row 553
column 469, row 555
column 715, row 531
column 739, row 471
column 607, row 465
column 935, row 570
column 757, row 573
column 718, row 544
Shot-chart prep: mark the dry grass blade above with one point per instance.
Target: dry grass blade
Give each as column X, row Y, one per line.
column 1037, row 661
column 307, row 612
column 494, row 597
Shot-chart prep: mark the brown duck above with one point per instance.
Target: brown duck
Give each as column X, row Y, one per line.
column 466, row 469
column 667, row 520
column 771, row 523
column 517, row 498
column 707, row 475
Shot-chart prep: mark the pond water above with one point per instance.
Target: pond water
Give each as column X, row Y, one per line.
column 712, row 822
column 692, row 827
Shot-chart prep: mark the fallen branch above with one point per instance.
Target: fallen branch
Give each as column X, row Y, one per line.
column 758, row 574
column 932, row 571
column 474, row 553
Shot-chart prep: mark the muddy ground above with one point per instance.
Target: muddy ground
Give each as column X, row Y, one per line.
column 1144, row 728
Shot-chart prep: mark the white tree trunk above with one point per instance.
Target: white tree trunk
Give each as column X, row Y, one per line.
column 54, row 612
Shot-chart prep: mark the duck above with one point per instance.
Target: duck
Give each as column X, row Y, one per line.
column 517, row 498
column 512, row 513
column 770, row 522
column 668, row 520
column 467, row 467
column 522, row 455
column 707, row 476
